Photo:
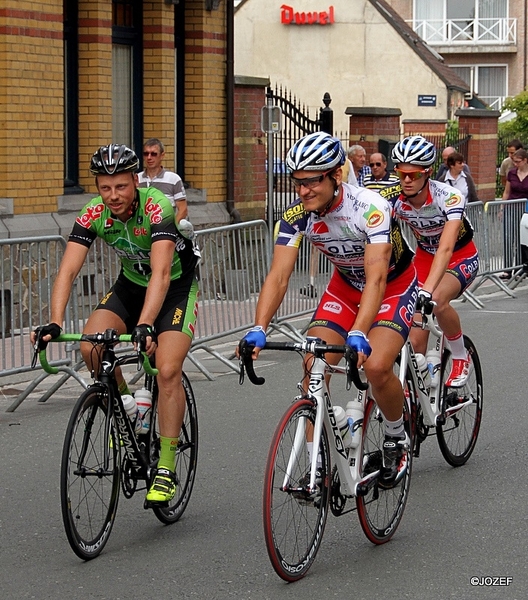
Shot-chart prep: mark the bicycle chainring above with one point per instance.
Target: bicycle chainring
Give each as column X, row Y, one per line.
column 128, row 479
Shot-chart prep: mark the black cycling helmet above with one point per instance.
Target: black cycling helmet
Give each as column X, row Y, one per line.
column 415, row 150
column 113, row 159
column 316, row 152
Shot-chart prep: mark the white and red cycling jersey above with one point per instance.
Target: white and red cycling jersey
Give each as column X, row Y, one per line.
column 444, row 203
column 360, row 217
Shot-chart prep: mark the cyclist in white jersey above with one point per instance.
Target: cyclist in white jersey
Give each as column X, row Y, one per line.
column 446, row 257
column 369, row 301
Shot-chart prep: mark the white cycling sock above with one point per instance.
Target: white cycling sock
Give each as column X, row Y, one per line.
column 394, row 428
column 456, row 344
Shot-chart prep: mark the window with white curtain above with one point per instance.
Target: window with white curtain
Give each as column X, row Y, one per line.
column 122, row 94
column 490, row 82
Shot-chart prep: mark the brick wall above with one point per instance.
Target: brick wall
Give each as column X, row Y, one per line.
column 250, row 185
column 205, row 114
column 31, row 104
column 424, row 127
column 369, row 125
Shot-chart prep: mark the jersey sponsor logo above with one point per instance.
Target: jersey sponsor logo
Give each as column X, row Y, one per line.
column 92, row 214
column 384, row 308
column 293, row 213
column 333, row 307
column 320, row 227
column 153, row 211
column 373, row 216
column 108, row 223
column 139, row 231
column 105, row 299
column 453, row 200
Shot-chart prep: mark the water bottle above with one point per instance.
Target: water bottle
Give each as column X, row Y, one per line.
column 144, row 404
column 434, row 362
column 342, row 423
column 424, row 370
column 131, row 409
column 354, row 415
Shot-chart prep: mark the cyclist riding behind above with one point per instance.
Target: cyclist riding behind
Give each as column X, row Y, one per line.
column 446, row 257
column 153, row 298
column 369, row 301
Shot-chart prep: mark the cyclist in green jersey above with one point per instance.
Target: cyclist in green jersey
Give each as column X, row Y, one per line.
column 154, row 296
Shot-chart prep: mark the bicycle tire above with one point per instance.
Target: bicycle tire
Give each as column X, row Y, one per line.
column 89, row 498
column 457, row 436
column 380, row 510
column 293, row 518
column 186, row 456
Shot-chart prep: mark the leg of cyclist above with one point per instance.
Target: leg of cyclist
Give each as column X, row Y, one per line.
column 175, row 327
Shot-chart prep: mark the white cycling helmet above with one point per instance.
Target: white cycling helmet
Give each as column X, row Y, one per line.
column 316, row 152
column 415, row 150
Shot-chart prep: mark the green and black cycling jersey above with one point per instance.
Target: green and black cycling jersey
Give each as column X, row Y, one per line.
column 152, row 219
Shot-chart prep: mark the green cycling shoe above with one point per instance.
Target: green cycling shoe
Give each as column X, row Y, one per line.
column 163, row 488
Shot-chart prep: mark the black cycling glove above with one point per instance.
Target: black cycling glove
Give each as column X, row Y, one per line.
column 424, row 303
column 140, row 334
column 52, row 329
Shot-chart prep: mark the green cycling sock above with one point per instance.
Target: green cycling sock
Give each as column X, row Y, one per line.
column 167, row 459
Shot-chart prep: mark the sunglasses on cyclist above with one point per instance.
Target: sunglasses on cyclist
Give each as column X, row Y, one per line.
column 412, row 175
column 308, row 182
column 154, row 154
column 378, row 164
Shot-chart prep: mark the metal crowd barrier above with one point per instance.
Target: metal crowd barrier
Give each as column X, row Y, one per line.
column 235, row 261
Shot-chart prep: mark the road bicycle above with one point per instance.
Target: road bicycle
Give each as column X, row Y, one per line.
column 453, row 414
column 300, row 486
column 103, row 456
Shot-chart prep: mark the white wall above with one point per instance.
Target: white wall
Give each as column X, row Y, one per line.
column 360, row 59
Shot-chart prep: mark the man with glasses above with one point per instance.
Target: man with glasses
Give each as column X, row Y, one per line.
column 379, row 177
column 446, row 257
column 155, row 175
column 369, row 301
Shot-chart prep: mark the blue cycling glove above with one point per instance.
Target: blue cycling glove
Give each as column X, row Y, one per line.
column 358, row 341
column 256, row 336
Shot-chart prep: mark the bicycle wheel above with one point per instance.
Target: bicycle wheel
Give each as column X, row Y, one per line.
column 294, row 517
column 458, row 434
column 90, row 475
column 186, row 456
column 380, row 510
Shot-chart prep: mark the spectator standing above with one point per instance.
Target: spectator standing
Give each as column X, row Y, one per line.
column 516, row 189
column 379, row 177
column 507, row 163
column 155, row 175
column 456, row 177
column 358, row 158
column 443, row 168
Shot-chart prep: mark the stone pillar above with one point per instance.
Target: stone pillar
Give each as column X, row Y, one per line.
column 369, row 125
column 482, row 126
column 250, row 148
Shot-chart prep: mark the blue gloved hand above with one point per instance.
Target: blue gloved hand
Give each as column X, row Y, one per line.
column 424, row 303
column 358, row 341
column 256, row 336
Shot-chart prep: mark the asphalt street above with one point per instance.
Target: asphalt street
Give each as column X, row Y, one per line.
column 459, row 524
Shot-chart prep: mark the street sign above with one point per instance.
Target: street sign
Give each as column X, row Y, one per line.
column 271, row 119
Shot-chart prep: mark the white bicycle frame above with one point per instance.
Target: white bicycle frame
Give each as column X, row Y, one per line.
column 429, row 399
column 347, row 460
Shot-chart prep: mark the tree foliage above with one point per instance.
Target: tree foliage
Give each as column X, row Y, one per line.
column 517, row 127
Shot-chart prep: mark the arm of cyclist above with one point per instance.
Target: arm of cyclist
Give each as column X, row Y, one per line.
column 160, row 261
column 442, row 256
column 377, row 258
column 271, row 295
column 71, row 263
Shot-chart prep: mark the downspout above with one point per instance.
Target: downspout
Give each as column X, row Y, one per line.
column 230, row 114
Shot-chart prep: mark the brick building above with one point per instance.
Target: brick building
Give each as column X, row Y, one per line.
column 77, row 74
